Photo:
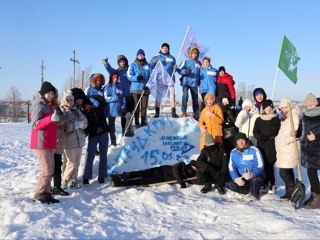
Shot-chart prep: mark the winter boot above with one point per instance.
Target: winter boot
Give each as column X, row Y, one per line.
column 51, row 199
column 59, row 191
column 85, row 181
column 157, row 114
column 173, row 113
column 207, row 188
column 314, row 202
column 221, row 190
column 41, row 197
column 143, row 122
column 74, row 184
column 114, row 142
column 184, row 114
column 100, row 179
column 129, row 134
column 287, row 195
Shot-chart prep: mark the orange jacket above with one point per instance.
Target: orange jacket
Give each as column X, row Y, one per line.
column 213, row 124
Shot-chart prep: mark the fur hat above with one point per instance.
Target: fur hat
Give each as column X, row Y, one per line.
column 47, row 87
column 209, row 95
column 246, row 103
column 222, row 68
column 140, row 51
column 194, row 49
column 240, row 135
column 67, row 96
column 78, row 93
column 208, row 139
column 97, row 77
column 310, row 100
column 267, row 103
column 285, row 102
column 165, row 45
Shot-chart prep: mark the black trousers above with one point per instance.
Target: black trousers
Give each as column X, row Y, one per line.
column 148, row 176
column 57, row 170
column 287, row 176
column 144, row 106
column 314, row 180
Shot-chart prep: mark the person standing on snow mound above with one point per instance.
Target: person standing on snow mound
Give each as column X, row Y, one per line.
column 122, row 69
column 43, row 139
column 139, row 74
column 246, row 168
column 190, row 70
column 164, row 173
column 285, row 147
column 213, row 165
column 211, row 120
column 226, row 94
column 265, row 130
column 168, row 62
column 310, row 148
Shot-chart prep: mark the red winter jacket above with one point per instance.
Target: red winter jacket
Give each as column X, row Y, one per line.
column 43, row 133
column 226, row 82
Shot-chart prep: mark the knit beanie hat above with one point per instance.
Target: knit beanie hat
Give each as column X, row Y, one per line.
column 222, row 68
column 246, row 103
column 140, row 51
column 310, row 100
column 209, row 95
column 240, row 135
column 67, row 96
column 47, row 87
column 208, row 139
column 285, row 102
column 165, row 45
column 112, row 76
column 267, row 103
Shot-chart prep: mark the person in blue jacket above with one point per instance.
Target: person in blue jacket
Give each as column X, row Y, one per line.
column 116, row 104
column 139, row 73
column 208, row 79
column 190, row 70
column 125, row 85
column 168, row 62
column 246, row 168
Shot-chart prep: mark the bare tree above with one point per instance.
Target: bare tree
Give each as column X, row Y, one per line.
column 14, row 99
column 241, row 90
column 80, row 83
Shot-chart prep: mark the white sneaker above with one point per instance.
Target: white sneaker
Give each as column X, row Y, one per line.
column 272, row 189
column 242, row 196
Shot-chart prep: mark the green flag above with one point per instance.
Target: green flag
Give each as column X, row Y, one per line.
column 288, row 61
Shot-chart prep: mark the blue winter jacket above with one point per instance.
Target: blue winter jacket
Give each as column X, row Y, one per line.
column 134, row 71
column 249, row 160
column 208, row 80
column 192, row 79
column 123, row 79
column 91, row 91
column 168, row 62
column 115, row 100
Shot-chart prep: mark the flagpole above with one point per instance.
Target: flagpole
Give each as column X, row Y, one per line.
column 174, row 70
column 274, row 83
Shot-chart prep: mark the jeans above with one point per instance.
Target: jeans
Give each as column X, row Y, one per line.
column 194, row 96
column 91, row 150
column 253, row 185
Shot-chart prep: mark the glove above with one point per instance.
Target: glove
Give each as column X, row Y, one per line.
column 181, row 80
column 155, row 60
column 175, row 67
column 140, row 77
column 183, row 185
column 105, row 61
column 188, row 70
column 225, row 101
column 146, row 90
column 123, row 112
column 247, row 175
column 78, row 124
column 239, row 181
column 55, row 117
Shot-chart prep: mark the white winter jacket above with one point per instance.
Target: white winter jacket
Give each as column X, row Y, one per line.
column 286, row 155
column 246, row 120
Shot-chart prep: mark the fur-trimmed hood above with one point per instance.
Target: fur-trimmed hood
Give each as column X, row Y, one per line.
column 97, row 76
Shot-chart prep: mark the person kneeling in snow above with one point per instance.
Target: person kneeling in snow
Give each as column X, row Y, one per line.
column 246, row 168
column 213, row 165
column 178, row 172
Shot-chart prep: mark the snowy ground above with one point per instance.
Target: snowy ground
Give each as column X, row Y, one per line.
column 99, row 211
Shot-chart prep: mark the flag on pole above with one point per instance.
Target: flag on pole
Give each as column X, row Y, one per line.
column 192, row 41
column 288, row 61
column 159, row 82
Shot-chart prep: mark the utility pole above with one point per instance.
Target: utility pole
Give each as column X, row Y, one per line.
column 42, row 68
column 73, row 68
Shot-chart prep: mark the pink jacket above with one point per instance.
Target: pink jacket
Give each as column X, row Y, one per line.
column 43, row 134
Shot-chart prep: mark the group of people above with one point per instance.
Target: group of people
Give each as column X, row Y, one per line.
column 239, row 148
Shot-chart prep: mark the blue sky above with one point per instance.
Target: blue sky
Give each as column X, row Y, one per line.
column 244, row 36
